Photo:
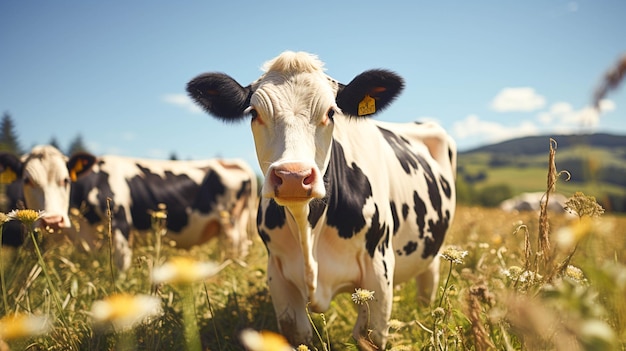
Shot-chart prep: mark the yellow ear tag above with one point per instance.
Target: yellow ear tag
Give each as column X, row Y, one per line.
column 367, row 106
column 7, row 176
column 77, row 168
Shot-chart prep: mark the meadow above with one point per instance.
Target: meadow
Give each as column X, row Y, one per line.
column 509, row 281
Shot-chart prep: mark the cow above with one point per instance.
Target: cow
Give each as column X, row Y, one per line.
column 203, row 199
column 533, row 202
column 347, row 201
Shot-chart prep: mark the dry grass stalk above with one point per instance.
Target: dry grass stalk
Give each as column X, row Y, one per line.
column 611, row 81
column 477, row 294
column 544, row 226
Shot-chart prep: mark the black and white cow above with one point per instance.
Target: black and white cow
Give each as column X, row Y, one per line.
column 347, row 202
column 203, row 199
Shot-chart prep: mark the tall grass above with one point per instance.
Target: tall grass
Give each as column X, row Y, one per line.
column 527, row 282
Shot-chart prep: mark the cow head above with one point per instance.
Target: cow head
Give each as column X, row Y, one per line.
column 293, row 107
column 46, row 182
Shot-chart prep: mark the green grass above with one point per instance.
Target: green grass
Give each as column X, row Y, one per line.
column 480, row 309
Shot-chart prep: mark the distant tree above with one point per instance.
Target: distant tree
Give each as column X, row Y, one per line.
column 493, row 195
column 173, row 156
column 77, row 145
column 54, row 142
column 8, row 138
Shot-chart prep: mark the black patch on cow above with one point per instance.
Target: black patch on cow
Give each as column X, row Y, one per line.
column 245, row 190
column 410, row 247
column 402, row 148
column 177, row 192
column 394, row 214
column 79, row 193
column 212, row 186
column 438, row 230
column 347, row 191
column 12, row 231
column 374, row 233
column 420, row 212
column 316, row 209
column 445, row 186
column 265, row 237
column 274, row 215
column 405, row 211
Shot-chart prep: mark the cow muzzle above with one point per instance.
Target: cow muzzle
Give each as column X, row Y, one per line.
column 293, row 182
column 55, row 222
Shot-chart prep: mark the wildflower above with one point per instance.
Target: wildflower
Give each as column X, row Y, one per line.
column 4, row 218
column 265, row 341
column 454, row 255
column 124, row 311
column 583, row 205
column 571, row 235
column 513, row 272
column 361, row 296
column 184, row 270
column 23, row 325
column 28, row 217
column 438, row 313
column 575, row 274
column 396, row 324
column 302, row 347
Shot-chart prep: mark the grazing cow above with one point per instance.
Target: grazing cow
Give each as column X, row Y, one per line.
column 203, row 199
column 533, row 201
column 347, row 202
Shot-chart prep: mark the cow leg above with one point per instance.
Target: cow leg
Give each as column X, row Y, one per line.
column 122, row 254
column 427, row 283
column 372, row 323
column 290, row 307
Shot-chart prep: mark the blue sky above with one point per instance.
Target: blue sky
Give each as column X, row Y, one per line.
column 115, row 72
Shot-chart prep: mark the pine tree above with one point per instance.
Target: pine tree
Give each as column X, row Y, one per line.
column 8, row 138
column 77, row 145
column 54, row 142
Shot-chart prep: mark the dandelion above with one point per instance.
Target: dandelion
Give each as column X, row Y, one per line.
column 438, row 313
column 125, row 311
column 361, row 296
column 184, row 270
column 4, row 218
column 266, row 341
column 454, row 255
column 28, row 217
column 23, row 325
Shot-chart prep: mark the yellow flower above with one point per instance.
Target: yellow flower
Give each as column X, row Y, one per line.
column 22, row 325
column 28, row 217
column 4, row 218
column 265, row 341
column 183, row 270
column 124, row 311
column 571, row 235
column 361, row 296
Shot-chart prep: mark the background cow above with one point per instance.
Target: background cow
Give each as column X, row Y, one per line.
column 203, row 199
column 348, row 202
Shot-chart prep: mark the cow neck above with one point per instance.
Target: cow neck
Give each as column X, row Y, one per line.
column 300, row 225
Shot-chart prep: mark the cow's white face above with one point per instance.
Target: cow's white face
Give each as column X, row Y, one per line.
column 47, row 185
column 292, row 124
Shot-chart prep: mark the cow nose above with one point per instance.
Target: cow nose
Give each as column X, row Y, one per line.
column 293, row 181
column 54, row 221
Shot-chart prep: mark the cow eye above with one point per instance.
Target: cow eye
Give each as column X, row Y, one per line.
column 253, row 113
column 28, row 181
column 330, row 114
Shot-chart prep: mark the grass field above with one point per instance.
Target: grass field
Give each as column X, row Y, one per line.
column 506, row 293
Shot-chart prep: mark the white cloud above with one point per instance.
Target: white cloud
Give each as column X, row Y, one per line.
column 522, row 99
column 473, row 126
column 562, row 115
column 182, row 100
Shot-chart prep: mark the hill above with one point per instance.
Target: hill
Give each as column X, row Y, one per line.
column 596, row 164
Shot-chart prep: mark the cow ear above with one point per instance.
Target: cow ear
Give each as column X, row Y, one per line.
column 369, row 92
column 10, row 168
column 220, row 95
column 79, row 164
